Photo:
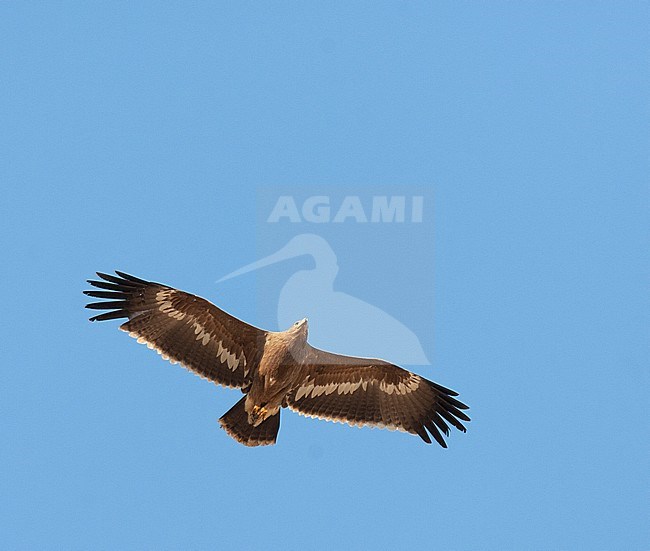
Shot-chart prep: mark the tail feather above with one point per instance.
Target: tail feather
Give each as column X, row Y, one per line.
column 235, row 423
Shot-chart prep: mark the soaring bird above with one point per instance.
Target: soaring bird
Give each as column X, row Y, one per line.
column 274, row 370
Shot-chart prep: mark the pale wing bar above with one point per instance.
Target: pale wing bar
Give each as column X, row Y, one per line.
column 183, row 328
column 377, row 394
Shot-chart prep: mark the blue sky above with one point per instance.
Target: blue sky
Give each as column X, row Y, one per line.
column 138, row 137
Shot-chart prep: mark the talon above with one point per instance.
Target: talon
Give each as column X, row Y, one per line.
column 257, row 410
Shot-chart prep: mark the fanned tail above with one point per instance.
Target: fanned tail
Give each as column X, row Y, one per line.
column 235, row 423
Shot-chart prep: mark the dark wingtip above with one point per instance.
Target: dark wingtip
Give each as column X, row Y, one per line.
column 458, row 414
column 114, row 314
column 440, row 441
column 121, row 281
column 422, row 433
column 435, row 433
column 443, row 389
column 456, row 403
column 129, row 277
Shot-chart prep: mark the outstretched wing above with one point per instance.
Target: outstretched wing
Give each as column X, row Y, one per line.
column 361, row 391
column 183, row 328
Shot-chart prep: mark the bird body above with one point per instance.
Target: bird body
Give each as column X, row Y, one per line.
column 279, row 367
column 274, row 370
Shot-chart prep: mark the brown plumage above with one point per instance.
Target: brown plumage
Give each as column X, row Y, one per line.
column 274, row 369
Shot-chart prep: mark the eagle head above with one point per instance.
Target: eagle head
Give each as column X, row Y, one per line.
column 301, row 327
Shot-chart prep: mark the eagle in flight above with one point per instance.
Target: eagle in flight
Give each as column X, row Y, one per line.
column 274, row 369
